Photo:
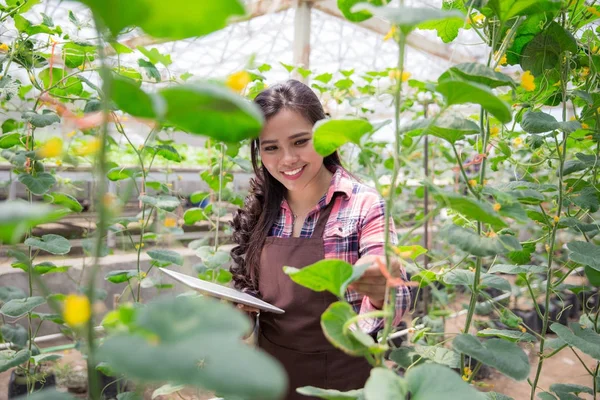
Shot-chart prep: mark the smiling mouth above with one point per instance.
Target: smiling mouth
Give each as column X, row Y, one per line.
column 292, row 172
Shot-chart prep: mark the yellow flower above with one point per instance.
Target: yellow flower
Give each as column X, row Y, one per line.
column 497, row 69
column 138, row 245
column 52, row 148
column 87, row 148
column 479, row 18
column 77, row 310
column 517, row 141
column 522, row 328
column 494, row 131
column 170, row 222
column 585, row 71
column 547, row 248
column 497, row 207
column 238, row 81
column 593, row 11
column 58, row 163
column 595, row 49
column 503, row 60
column 585, row 126
column 527, row 81
column 556, row 219
column 472, row 182
column 3, row 48
column 589, row 137
column 71, row 134
column 395, row 74
column 557, row 84
column 391, row 33
column 492, row 234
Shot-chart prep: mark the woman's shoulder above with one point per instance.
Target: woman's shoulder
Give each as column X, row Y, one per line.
column 361, row 195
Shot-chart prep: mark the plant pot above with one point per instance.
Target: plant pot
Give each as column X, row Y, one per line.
column 529, row 317
column 111, row 386
column 17, row 384
column 555, row 316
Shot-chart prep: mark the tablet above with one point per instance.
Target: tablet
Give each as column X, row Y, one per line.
column 221, row 292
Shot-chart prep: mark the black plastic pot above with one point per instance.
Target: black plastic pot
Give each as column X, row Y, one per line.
column 529, row 317
column 17, row 385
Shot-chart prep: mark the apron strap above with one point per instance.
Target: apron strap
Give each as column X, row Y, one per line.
column 323, row 218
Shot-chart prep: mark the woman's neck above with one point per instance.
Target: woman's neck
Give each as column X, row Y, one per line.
column 303, row 201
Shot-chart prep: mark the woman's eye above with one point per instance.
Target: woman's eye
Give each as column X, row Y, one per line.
column 301, row 142
column 270, row 148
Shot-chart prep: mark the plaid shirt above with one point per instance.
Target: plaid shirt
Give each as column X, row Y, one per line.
column 356, row 228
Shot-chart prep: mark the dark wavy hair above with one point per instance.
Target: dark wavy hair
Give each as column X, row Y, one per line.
column 251, row 224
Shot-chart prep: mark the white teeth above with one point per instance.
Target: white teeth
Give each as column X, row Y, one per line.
column 294, row 172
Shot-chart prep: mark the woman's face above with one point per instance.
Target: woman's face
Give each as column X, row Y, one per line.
column 287, row 152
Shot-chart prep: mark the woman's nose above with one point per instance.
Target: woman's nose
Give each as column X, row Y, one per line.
column 290, row 156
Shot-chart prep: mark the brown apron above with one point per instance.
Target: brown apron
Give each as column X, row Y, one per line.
column 296, row 338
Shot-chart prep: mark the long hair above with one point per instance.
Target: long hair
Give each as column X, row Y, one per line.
column 252, row 223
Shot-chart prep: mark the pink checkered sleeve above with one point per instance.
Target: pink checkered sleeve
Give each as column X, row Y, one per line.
column 371, row 242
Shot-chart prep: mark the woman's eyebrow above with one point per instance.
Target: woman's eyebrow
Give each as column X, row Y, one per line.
column 294, row 136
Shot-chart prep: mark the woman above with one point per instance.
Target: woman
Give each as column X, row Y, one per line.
column 303, row 208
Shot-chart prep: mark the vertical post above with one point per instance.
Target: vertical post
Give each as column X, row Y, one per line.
column 302, row 36
column 111, row 241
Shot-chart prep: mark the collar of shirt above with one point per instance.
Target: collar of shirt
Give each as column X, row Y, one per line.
column 341, row 182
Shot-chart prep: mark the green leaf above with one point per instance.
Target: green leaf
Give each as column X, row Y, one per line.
column 38, row 184
column 45, row 358
column 477, row 73
column 331, row 394
column 155, row 57
column 592, row 275
column 158, row 186
column 332, row 322
column 384, row 384
column 513, row 336
column 60, row 82
column 89, row 246
column 447, row 30
column 345, row 7
column 470, row 242
column 168, row 152
column 54, row 244
column 131, row 99
column 464, row 92
column 470, row 208
column 439, row 355
column 540, row 122
column 325, row 78
column 48, row 267
column 164, row 255
column 119, row 173
column 212, row 110
column 46, row 118
column 212, row 259
column 193, row 215
column 507, row 357
column 497, row 396
column 464, row 277
column 16, row 334
column 517, row 269
column 176, row 19
column 120, row 276
column 8, row 293
column 65, row 200
column 76, row 54
column 150, row 69
column 9, row 140
column 331, row 275
column 585, row 253
column 18, row 307
column 26, row 26
column 432, row 381
column 570, row 388
column 331, row 134
column 447, row 127
column 407, row 18
column 50, row 394
column 544, row 50
column 585, row 339
column 167, row 203
column 120, row 48
column 10, row 358
column 166, row 390
column 199, row 343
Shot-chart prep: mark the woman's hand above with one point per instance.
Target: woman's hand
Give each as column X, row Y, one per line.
column 247, row 309
column 373, row 283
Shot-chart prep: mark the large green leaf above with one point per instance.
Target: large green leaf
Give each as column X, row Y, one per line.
column 331, row 275
column 8, row 293
column 19, row 307
column 119, row 173
column 16, row 334
column 585, row 253
column 120, row 276
column 464, row 277
column 46, row 118
column 446, row 29
column 562, row 388
column 128, row 96
column 407, row 18
column 199, row 343
column 17, row 217
column 432, row 381
column 332, row 322
column 544, row 50
column 38, row 184
column 507, row 357
column 76, row 54
column 464, row 92
column 507, row 9
column 167, row 203
column 65, row 200
column 513, row 336
column 540, row 122
column 439, row 355
column 10, row 358
column 331, row 134
column 60, row 82
column 447, row 127
column 470, row 242
column 517, row 269
column 51, row 243
column 345, row 7
column 477, row 73
column 471, row 208
column 176, row 19
column 212, row 110
column 193, row 215
column 585, row 339
column 9, row 140
column 384, row 384
column 166, row 256
column 331, row 394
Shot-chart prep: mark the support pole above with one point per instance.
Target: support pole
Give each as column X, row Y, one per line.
column 302, row 36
